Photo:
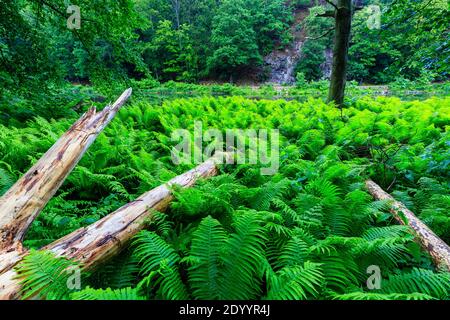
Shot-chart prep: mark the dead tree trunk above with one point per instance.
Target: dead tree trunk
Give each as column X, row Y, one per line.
column 438, row 249
column 103, row 239
column 28, row 196
column 343, row 25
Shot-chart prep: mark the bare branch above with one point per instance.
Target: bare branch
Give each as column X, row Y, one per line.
column 332, row 3
column 328, row 14
column 321, row 36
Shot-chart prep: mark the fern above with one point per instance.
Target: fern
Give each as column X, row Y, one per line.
column 267, row 193
column 44, row 275
column 107, row 294
column 6, row 181
column 294, row 253
column 308, row 232
column 380, row 296
column 243, row 259
column 296, row 283
column 386, row 232
column 205, row 255
column 340, row 272
column 120, row 272
column 156, row 256
column 419, row 281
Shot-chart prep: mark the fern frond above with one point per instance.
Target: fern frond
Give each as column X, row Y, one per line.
column 386, row 232
column 381, row 296
column 419, row 280
column 120, row 272
column 269, row 191
column 207, row 242
column 243, row 258
column 155, row 255
column 294, row 253
column 107, row 294
column 43, row 274
column 6, row 181
column 296, row 283
column 339, row 271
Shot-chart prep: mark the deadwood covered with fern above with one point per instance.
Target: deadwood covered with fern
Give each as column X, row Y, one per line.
column 20, row 205
column 437, row 248
column 103, row 239
column 311, row 231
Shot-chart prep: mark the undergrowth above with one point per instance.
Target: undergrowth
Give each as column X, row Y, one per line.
column 310, row 231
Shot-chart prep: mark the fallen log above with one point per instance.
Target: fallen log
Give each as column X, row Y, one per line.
column 103, row 239
column 21, row 204
column 438, row 249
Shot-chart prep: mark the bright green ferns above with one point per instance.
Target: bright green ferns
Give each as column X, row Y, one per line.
column 308, row 232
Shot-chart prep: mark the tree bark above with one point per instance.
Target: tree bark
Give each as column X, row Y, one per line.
column 21, row 204
column 438, row 249
column 105, row 238
column 343, row 25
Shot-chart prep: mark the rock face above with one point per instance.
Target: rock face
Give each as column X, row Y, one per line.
column 326, row 66
column 282, row 64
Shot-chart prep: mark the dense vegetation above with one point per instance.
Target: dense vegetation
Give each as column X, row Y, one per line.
column 310, row 231
column 194, row 40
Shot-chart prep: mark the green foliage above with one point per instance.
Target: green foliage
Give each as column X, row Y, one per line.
column 158, row 263
column 195, row 40
column 205, row 257
column 233, row 39
column 45, row 276
column 308, row 232
column 107, row 294
column 99, row 50
column 300, row 79
column 170, row 54
column 243, row 258
column 296, row 283
column 6, row 181
column 419, row 280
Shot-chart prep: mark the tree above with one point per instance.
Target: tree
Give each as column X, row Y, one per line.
column 414, row 42
column 419, row 29
column 37, row 48
column 233, row 39
column 271, row 20
column 342, row 13
column 170, row 54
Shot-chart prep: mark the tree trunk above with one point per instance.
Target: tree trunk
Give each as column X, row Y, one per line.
column 438, row 249
column 343, row 25
column 105, row 238
column 27, row 197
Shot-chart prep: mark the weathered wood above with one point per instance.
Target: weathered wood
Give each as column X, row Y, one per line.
column 438, row 249
column 103, row 239
column 27, row 197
